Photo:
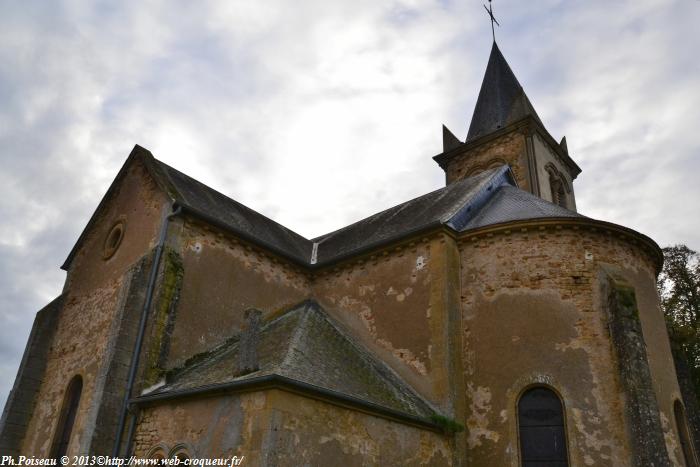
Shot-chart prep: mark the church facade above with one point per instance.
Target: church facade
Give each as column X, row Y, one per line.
column 487, row 323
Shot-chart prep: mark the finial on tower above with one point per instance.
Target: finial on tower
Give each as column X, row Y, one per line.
column 489, row 10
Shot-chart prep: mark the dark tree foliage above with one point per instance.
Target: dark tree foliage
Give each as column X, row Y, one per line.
column 679, row 288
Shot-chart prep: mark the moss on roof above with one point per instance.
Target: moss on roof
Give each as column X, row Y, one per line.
column 304, row 345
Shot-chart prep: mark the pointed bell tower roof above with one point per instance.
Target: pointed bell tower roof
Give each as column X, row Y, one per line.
column 501, row 101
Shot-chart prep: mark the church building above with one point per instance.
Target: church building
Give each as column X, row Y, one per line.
column 484, row 324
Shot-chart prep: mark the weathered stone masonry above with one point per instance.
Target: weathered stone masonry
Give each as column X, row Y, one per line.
column 641, row 408
column 530, row 300
column 24, row 394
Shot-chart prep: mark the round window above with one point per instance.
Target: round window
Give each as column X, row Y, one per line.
column 113, row 240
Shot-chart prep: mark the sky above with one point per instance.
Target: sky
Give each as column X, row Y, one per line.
column 318, row 113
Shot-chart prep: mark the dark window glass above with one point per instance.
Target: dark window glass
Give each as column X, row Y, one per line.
column 541, row 424
column 67, row 417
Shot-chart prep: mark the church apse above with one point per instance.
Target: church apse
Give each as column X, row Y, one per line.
column 533, row 316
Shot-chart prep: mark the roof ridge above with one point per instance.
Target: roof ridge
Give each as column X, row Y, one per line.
column 195, row 361
column 321, row 238
column 482, row 186
column 294, row 341
column 290, row 350
column 228, row 198
column 382, row 368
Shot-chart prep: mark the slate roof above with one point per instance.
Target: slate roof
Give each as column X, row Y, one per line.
column 232, row 215
column 509, row 203
column 418, row 214
column 437, row 207
column 304, row 345
column 501, row 101
column 453, row 205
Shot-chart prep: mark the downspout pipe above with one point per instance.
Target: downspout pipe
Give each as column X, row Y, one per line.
column 133, row 367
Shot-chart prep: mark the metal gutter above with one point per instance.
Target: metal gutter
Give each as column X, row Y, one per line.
column 175, row 210
column 292, row 385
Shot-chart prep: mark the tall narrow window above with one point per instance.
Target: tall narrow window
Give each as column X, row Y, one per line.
column 684, row 433
column 67, row 417
column 541, row 426
column 558, row 191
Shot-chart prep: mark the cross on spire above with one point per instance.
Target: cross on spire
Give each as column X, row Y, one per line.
column 489, row 10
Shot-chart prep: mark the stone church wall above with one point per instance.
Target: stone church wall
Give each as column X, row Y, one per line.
column 534, row 315
column 275, row 427
column 504, row 149
column 222, row 278
column 88, row 323
column 395, row 303
column 23, row 397
column 139, row 203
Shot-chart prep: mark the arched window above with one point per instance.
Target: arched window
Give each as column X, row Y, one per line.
column 558, row 186
column 157, row 453
column 180, row 452
column 159, row 456
column 541, row 427
column 67, row 417
column 684, row 433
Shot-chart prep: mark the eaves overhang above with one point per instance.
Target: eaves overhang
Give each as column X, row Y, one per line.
column 307, row 266
column 450, row 225
column 242, row 234
column 274, row 381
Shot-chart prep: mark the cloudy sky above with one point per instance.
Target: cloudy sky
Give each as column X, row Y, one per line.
column 320, row 112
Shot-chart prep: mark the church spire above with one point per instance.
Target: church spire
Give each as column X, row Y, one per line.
column 505, row 129
column 501, row 101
